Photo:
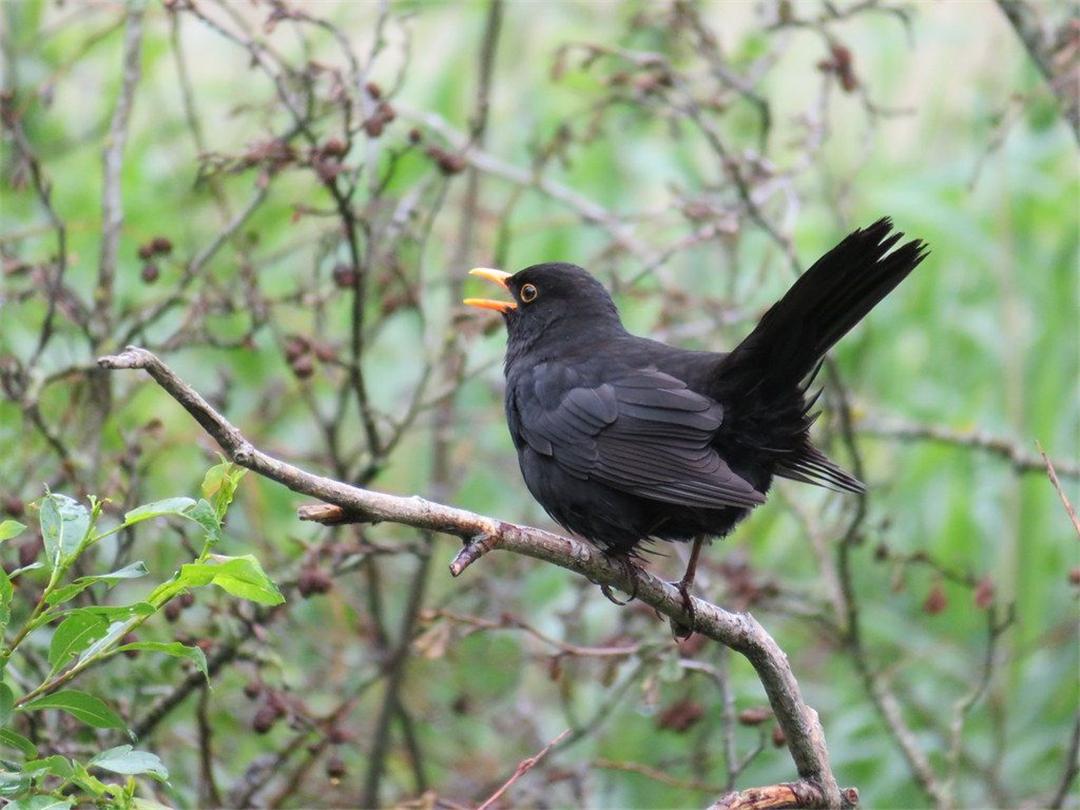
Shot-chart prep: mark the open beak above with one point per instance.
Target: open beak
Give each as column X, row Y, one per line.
column 497, row 276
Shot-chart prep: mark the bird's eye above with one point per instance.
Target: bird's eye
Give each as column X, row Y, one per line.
column 529, row 293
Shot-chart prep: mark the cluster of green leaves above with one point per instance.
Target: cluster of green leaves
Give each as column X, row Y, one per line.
column 85, row 635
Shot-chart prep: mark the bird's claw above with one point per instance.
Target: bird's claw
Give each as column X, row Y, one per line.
column 631, row 574
column 606, row 591
column 680, row 629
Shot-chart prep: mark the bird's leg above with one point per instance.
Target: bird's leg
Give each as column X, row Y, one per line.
column 678, row 628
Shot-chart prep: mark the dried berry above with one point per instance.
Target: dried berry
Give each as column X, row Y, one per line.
column 755, row 715
column 313, row 580
column 337, row 735
column 162, row 245
column 268, row 714
column 334, row 147
column 344, row 276
column 29, row 550
column 324, row 352
column 415, row 136
column 936, row 601
column 146, row 251
column 150, row 273
column 680, row 716
column 252, row 689
column 984, row 593
column 130, row 638
column 841, row 63
column 186, row 599
column 374, row 126
column 14, row 506
column 303, row 367
column 692, row 645
column 448, row 162
column 328, row 169
column 172, row 611
column 779, row 738
column 335, row 768
column 295, row 346
column 555, row 667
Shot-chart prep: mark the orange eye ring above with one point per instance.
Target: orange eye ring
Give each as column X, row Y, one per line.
column 528, row 293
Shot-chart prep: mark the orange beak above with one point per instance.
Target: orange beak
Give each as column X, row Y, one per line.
column 497, row 276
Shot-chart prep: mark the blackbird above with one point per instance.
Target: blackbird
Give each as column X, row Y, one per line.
column 625, row 440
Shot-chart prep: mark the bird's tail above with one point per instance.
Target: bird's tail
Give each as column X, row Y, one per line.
column 767, row 375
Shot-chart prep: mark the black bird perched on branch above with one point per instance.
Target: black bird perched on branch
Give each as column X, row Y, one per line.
column 623, row 439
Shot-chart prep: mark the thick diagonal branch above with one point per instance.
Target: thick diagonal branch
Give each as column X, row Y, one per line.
column 739, row 631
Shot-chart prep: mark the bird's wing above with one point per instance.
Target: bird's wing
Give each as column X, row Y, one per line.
column 643, row 432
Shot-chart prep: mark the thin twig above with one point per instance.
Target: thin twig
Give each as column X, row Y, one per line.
column 112, row 207
column 523, row 768
column 657, row 775
column 1022, row 461
column 1072, row 768
column 1052, row 474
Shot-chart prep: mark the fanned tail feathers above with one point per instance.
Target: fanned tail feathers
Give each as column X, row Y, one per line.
column 770, row 371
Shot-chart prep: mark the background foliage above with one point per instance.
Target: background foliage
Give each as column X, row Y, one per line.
column 286, row 216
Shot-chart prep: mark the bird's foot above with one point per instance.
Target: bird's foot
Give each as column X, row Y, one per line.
column 631, row 574
column 679, row 628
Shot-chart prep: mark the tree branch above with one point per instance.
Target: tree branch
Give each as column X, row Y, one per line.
column 1023, row 461
column 739, row 631
column 112, row 211
column 779, row 797
column 1059, row 73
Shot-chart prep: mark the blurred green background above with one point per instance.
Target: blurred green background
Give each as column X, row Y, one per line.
column 951, row 131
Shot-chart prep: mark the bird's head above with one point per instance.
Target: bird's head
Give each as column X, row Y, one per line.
column 555, row 300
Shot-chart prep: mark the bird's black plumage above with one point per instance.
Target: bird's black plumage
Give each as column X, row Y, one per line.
column 623, row 439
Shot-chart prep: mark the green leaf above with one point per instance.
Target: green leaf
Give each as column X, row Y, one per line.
column 6, row 593
column 173, row 648
column 126, row 760
column 42, row 803
column 219, row 486
column 75, row 633
column 169, row 506
column 89, row 709
column 133, row 571
column 17, row 741
column 7, row 700
column 203, row 514
column 9, row 529
column 239, row 576
column 56, row 765
column 66, row 593
column 113, row 613
column 90, row 783
column 12, row 783
column 34, row 566
column 64, row 524
column 200, row 512
column 61, row 595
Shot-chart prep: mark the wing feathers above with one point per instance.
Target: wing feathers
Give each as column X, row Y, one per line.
column 645, row 433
